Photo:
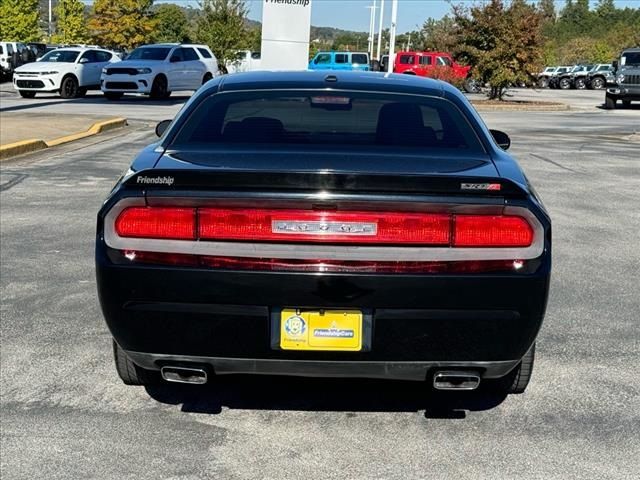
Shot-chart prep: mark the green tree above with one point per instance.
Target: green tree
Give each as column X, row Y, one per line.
column 440, row 35
column 19, row 20
column 503, row 43
column 70, row 22
column 548, row 10
column 122, row 23
column 605, row 9
column 172, row 24
column 222, row 26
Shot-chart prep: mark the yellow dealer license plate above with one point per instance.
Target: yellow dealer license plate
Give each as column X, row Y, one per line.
column 321, row 330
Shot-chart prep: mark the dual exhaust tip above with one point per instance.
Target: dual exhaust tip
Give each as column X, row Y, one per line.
column 456, row 380
column 442, row 380
column 194, row 376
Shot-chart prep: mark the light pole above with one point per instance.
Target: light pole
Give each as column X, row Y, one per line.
column 392, row 36
column 49, row 21
column 372, row 22
column 379, row 54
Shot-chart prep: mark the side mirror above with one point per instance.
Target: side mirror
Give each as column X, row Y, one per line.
column 162, row 126
column 501, row 138
column 174, row 59
column 84, row 60
column 614, row 64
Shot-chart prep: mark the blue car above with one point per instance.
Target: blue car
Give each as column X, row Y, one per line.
column 340, row 61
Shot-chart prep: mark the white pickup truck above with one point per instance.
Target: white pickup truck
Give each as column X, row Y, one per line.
column 246, row 61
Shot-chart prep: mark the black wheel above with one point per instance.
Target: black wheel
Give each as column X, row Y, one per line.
column 26, row 94
column 543, row 82
column 580, row 84
column 69, row 88
column 564, row 84
column 81, row 92
column 129, row 372
column 159, row 89
column 609, row 102
column 626, row 103
column 597, row 83
column 113, row 95
column 471, row 85
column 516, row 380
column 207, row 77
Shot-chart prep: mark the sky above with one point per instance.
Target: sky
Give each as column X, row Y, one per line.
column 354, row 14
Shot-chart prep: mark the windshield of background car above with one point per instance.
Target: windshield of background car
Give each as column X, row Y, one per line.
column 340, row 120
column 147, row 53
column 630, row 58
column 61, row 56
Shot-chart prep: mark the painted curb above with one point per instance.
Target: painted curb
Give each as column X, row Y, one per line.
column 28, row 146
column 18, row 148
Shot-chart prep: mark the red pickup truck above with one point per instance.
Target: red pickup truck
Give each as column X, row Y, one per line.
column 433, row 64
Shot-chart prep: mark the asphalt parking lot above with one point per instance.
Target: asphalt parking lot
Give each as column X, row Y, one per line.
column 65, row 414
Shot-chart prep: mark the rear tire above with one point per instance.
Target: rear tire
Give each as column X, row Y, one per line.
column 26, row 94
column 543, row 83
column 609, row 102
column 580, row 84
column 69, row 88
column 207, row 77
column 564, row 84
column 516, row 380
column 129, row 372
column 113, row 95
column 471, row 86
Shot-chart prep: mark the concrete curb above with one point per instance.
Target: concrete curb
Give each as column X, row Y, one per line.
column 27, row 146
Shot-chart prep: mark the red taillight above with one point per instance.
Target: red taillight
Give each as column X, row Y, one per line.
column 157, row 222
column 324, row 227
column 491, row 231
column 304, row 226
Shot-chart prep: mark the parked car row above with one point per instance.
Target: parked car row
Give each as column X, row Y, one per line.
column 155, row 70
column 594, row 76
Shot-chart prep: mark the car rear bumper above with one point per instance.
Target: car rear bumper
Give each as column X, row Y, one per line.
column 223, row 319
column 416, row 371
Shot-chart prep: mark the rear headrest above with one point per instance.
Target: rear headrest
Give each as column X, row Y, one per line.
column 400, row 124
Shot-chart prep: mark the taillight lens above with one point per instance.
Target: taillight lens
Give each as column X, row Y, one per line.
column 324, row 227
column 491, row 231
column 157, row 222
column 296, row 226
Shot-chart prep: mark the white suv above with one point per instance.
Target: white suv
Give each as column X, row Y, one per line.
column 70, row 71
column 6, row 58
column 157, row 70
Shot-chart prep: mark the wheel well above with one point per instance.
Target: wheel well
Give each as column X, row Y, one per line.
column 69, row 75
column 160, row 75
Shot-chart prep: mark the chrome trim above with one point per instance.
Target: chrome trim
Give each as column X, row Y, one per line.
column 310, row 251
column 197, row 376
column 456, row 380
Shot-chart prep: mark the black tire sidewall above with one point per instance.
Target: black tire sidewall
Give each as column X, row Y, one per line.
column 63, row 88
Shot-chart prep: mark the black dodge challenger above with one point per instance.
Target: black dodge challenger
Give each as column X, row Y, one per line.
column 325, row 224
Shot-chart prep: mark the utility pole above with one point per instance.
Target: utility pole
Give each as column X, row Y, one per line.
column 392, row 37
column 379, row 54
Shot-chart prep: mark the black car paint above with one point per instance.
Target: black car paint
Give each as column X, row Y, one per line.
column 193, row 312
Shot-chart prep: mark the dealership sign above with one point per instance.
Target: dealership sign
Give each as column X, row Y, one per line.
column 285, row 34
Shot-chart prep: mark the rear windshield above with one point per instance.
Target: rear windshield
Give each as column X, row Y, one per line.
column 146, row 53
column 337, row 120
column 64, row 56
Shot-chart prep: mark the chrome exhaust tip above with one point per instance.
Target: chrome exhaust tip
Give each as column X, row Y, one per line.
column 197, row 376
column 456, row 380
